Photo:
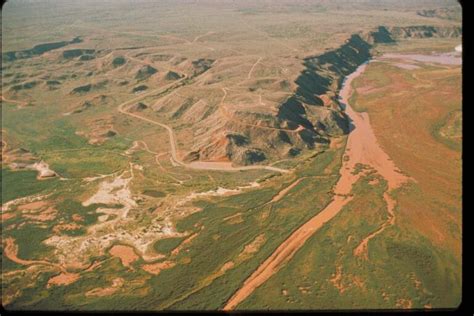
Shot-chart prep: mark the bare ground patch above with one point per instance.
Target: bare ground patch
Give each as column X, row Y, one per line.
column 117, row 283
column 126, row 254
column 63, row 279
column 156, row 268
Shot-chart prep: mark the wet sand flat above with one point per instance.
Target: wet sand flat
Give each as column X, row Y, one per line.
column 362, row 148
column 445, row 59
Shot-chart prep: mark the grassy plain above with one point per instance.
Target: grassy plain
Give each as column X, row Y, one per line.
column 415, row 263
column 117, row 184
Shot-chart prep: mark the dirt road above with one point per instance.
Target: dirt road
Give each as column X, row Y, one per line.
column 20, row 103
column 200, row 165
column 286, row 251
column 229, row 117
column 362, row 147
column 253, row 67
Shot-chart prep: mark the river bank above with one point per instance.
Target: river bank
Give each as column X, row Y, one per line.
column 361, row 148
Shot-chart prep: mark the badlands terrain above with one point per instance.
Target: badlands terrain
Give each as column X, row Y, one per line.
column 231, row 155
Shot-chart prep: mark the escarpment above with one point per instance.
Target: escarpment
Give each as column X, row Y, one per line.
column 385, row 34
column 37, row 50
column 424, row 31
column 305, row 120
column 314, row 103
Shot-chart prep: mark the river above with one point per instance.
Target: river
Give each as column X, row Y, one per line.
column 361, row 148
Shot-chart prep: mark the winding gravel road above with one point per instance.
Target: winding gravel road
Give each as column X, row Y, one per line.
column 200, row 165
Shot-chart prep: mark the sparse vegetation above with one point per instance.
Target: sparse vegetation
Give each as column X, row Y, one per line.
column 17, row 184
column 200, row 145
column 118, row 61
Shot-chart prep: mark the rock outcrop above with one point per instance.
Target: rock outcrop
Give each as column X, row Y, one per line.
column 145, row 72
column 37, row 50
column 306, row 120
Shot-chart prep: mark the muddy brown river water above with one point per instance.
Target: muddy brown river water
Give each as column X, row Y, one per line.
column 361, row 148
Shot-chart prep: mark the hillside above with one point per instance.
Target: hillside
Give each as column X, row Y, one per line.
column 231, row 155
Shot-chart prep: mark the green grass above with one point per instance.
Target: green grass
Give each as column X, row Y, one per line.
column 315, row 262
column 255, row 30
column 186, row 286
column 68, row 207
column 451, row 126
column 394, row 256
column 21, row 183
column 86, row 162
column 29, row 240
column 8, row 265
column 57, row 143
column 314, row 167
column 183, row 108
column 154, row 193
column 165, row 246
column 30, row 236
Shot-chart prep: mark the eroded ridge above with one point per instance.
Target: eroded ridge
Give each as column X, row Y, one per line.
column 361, row 148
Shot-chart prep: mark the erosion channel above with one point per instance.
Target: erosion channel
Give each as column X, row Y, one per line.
column 361, row 148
